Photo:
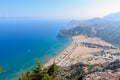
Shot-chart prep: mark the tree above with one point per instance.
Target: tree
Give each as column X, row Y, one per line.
column 53, row 70
column 41, row 73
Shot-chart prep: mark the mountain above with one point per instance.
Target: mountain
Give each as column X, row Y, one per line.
column 112, row 17
column 106, row 28
column 86, row 22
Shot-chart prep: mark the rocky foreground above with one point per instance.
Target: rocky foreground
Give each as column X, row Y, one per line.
column 111, row 72
column 108, row 75
column 80, row 71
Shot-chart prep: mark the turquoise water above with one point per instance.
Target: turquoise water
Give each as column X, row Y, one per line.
column 23, row 41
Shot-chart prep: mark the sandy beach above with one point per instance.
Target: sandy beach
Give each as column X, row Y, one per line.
column 86, row 50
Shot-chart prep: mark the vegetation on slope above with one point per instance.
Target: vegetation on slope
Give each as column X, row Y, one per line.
column 41, row 73
column 53, row 72
column 106, row 30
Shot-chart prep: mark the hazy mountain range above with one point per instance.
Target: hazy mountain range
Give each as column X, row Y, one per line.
column 107, row 28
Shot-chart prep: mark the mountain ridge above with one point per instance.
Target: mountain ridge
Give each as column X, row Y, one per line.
column 108, row 30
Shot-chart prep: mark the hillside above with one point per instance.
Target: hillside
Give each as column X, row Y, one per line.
column 105, row 28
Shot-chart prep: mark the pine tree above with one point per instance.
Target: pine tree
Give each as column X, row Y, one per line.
column 41, row 73
column 53, row 70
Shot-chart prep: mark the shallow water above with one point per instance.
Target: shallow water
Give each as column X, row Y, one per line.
column 23, row 41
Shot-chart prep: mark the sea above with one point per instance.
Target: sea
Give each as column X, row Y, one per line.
column 22, row 41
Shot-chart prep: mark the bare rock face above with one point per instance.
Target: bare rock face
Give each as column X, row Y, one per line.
column 108, row 75
column 112, row 72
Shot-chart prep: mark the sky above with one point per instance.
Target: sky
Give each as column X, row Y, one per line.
column 57, row 9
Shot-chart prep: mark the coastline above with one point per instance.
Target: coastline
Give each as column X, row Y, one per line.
column 57, row 59
column 79, row 52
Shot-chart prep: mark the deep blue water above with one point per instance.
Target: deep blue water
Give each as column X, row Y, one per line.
column 23, row 41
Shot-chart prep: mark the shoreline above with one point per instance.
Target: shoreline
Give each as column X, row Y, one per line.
column 57, row 59
column 79, row 52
